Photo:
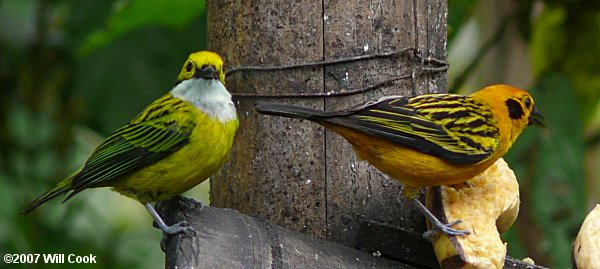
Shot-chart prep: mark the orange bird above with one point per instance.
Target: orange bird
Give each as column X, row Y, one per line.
column 431, row 139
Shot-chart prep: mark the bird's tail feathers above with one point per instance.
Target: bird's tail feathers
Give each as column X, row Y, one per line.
column 293, row 111
column 60, row 189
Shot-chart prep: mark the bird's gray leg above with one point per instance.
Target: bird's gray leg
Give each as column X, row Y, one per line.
column 173, row 229
column 438, row 225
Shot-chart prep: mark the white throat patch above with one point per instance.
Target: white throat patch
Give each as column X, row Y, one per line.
column 210, row 96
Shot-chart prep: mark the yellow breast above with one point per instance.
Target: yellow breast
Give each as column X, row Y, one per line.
column 208, row 149
column 410, row 167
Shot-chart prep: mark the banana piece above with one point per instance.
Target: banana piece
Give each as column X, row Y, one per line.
column 586, row 248
column 488, row 205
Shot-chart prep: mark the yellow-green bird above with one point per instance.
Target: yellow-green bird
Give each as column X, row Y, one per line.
column 177, row 142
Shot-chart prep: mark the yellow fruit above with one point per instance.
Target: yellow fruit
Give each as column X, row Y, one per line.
column 487, row 204
column 586, row 248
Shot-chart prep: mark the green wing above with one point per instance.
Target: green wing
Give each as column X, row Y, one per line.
column 152, row 136
column 452, row 127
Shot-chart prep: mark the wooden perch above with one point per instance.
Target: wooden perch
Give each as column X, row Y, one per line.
column 226, row 238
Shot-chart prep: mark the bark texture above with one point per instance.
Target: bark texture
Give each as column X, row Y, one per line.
column 293, row 172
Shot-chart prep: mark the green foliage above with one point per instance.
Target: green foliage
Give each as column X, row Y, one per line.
column 129, row 15
column 566, row 39
column 553, row 195
column 556, row 192
column 149, row 72
column 548, row 40
column 564, row 47
column 459, row 12
column 71, row 73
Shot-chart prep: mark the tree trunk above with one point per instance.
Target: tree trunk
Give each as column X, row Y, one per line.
column 277, row 166
column 292, row 172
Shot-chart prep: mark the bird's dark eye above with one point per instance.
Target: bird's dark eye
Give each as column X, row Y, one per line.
column 527, row 102
column 189, row 67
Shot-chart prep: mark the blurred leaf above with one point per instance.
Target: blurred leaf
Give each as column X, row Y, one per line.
column 84, row 17
column 567, row 39
column 582, row 59
column 548, row 39
column 128, row 15
column 516, row 248
column 114, row 90
column 45, row 92
column 17, row 22
column 459, row 13
column 557, row 190
column 554, row 169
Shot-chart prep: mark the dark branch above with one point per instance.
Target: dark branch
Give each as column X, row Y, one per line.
column 226, row 238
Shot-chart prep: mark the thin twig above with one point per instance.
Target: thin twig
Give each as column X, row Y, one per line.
column 320, row 63
column 438, row 66
column 435, row 69
column 324, row 94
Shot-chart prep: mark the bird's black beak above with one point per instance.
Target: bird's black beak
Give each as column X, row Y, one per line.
column 536, row 118
column 207, row 72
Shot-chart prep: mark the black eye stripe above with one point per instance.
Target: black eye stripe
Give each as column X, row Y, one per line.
column 515, row 110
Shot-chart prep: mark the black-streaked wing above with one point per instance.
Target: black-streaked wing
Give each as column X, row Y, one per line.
column 451, row 127
column 132, row 147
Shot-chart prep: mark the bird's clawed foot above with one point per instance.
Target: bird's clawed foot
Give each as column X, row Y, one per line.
column 180, row 227
column 438, row 226
column 445, row 229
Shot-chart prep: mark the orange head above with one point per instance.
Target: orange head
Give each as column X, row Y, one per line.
column 513, row 108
